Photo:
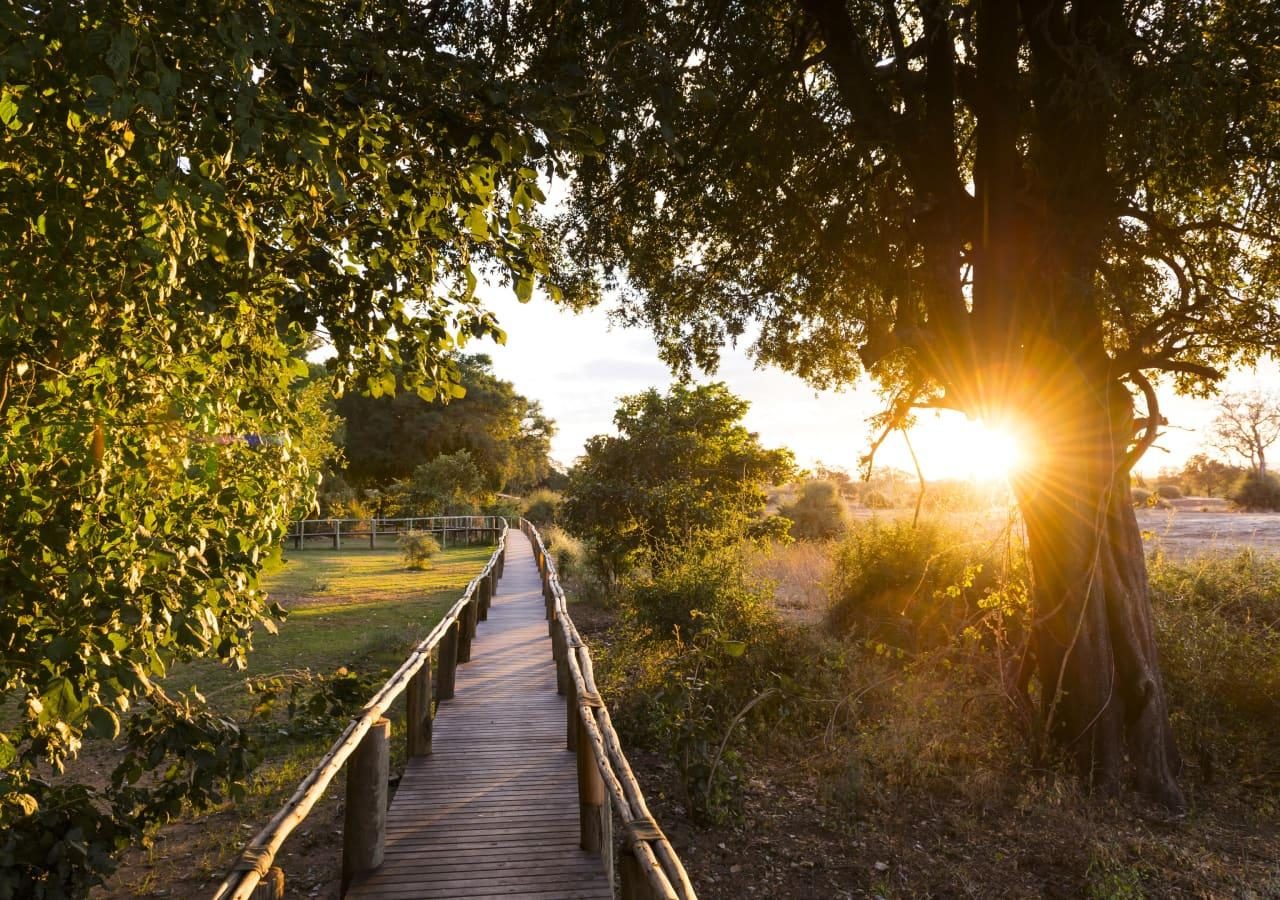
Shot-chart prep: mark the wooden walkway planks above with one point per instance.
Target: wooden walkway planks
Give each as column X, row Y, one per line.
column 493, row 811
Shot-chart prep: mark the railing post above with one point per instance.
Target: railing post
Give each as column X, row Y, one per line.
column 635, row 884
column 373, row 533
column 571, row 718
column 558, row 654
column 595, row 817
column 364, row 827
column 467, row 630
column 337, row 534
column 418, row 712
column 271, row 887
column 297, row 537
column 447, row 663
column 482, row 610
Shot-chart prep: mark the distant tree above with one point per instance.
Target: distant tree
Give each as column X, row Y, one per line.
column 682, row 468
column 1205, row 476
column 507, row 435
column 449, row 485
column 818, row 513
column 1246, row 425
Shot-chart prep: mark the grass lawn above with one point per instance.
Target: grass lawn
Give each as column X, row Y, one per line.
column 355, row 608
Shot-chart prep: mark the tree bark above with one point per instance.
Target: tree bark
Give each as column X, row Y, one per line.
column 1093, row 637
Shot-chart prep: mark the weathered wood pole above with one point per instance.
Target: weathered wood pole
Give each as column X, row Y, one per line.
column 373, row 534
column 482, row 611
column 271, row 887
column 594, row 815
column 447, row 663
column 571, row 719
column 337, row 534
column 364, row 827
column 558, row 654
column 635, row 884
column 418, row 713
column 467, row 630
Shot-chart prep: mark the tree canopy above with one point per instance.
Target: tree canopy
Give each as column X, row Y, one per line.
column 507, row 435
column 682, row 468
column 187, row 193
column 1028, row 211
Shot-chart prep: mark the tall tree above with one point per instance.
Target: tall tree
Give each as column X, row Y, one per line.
column 507, row 435
column 1246, row 425
column 682, row 468
column 187, row 191
column 1027, row 210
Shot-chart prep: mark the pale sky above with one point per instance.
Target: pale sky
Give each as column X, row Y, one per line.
column 578, row 365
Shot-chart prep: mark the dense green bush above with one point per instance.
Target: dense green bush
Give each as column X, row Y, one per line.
column 819, row 513
column 1169, row 491
column 418, row 547
column 1256, row 491
column 696, row 588
column 541, row 507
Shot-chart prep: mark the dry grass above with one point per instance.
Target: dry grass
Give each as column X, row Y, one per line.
column 800, row 574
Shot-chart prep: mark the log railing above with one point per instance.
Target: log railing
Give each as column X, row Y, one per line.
column 451, row 530
column 363, row 748
column 648, row 866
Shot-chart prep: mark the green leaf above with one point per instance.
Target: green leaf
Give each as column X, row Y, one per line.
column 734, row 648
column 102, row 86
column 28, row 804
column 103, row 723
column 59, row 703
column 9, row 111
column 524, row 289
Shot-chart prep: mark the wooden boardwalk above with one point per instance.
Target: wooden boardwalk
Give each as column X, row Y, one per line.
column 493, row 811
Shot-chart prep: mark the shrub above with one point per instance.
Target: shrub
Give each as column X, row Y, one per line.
column 1218, row 628
column 1169, row 491
column 1256, row 491
column 695, row 588
column 418, row 547
column 877, row 500
column 919, row 587
column 541, row 507
column 506, row 507
column 818, row 513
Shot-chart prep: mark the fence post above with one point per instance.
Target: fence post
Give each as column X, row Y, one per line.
column 558, row 654
column 594, row 815
column 482, row 611
column 373, row 534
column 297, row 537
column 571, row 718
column 271, row 887
column 635, row 884
column 447, row 663
column 337, row 534
column 467, row 630
column 418, row 713
column 364, row 828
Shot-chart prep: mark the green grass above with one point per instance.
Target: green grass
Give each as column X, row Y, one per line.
column 359, row 609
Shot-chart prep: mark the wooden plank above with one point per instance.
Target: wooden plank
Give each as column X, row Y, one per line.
column 493, row 811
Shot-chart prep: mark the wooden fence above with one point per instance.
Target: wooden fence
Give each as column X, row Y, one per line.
column 647, row 865
column 450, row 531
column 365, row 751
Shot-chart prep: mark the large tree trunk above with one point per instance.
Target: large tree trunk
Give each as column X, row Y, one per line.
column 1093, row 637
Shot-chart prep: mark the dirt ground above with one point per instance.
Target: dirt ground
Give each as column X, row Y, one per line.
column 1197, row 525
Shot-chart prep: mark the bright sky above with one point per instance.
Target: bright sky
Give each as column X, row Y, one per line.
column 578, row 365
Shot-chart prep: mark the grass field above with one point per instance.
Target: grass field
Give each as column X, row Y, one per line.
column 358, row 609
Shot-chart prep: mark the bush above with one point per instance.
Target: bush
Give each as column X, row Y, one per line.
column 877, row 500
column 1169, row 491
column 1218, row 628
column 694, row 589
column 818, row 513
column 506, row 507
column 919, row 587
column 1256, row 491
column 541, row 507
column 418, row 547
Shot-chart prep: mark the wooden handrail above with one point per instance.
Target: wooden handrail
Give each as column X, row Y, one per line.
column 256, row 859
column 659, row 865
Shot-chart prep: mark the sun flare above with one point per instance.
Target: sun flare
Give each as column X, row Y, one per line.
column 961, row 448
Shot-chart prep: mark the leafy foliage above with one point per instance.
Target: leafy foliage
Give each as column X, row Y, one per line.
column 507, row 435
column 418, row 547
column 187, row 194
column 818, row 513
column 1257, row 491
column 681, row 470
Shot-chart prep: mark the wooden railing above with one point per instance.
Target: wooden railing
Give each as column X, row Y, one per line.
column 364, row 748
column 649, row 867
column 451, row 530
